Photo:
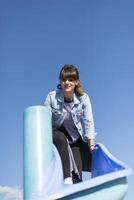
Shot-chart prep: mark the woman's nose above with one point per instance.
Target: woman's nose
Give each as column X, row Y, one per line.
column 67, row 81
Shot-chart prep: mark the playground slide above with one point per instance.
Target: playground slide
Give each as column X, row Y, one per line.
column 43, row 176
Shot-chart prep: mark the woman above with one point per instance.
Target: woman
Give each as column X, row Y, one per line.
column 73, row 125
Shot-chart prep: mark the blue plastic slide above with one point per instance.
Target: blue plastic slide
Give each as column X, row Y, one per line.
column 43, row 175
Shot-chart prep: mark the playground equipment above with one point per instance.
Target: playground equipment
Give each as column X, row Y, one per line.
column 43, row 176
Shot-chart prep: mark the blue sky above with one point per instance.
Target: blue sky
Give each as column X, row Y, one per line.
column 36, row 39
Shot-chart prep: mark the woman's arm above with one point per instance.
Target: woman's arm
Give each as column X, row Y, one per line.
column 89, row 122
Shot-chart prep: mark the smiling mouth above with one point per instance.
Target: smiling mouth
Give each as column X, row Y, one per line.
column 67, row 86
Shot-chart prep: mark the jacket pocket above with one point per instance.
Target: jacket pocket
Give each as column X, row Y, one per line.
column 56, row 111
column 79, row 114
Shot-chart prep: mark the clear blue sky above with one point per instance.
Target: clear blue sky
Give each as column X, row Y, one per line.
column 36, row 39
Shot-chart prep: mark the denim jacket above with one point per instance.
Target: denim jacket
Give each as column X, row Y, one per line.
column 81, row 113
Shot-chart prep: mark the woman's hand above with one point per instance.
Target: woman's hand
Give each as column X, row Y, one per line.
column 91, row 144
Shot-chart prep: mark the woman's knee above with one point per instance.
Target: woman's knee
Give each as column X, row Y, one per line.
column 59, row 138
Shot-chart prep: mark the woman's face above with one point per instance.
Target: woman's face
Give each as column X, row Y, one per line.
column 68, row 84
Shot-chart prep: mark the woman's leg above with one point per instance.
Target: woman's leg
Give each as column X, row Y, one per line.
column 60, row 142
column 76, row 150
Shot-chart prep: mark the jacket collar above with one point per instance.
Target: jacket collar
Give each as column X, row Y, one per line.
column 60, row 97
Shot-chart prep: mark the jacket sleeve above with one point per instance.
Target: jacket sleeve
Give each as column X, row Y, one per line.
column 88, row 120
column 48, row 101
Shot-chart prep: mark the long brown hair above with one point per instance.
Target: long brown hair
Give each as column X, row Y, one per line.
column 70, row 71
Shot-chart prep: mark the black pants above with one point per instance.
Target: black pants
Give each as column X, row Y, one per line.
column 59, row 138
